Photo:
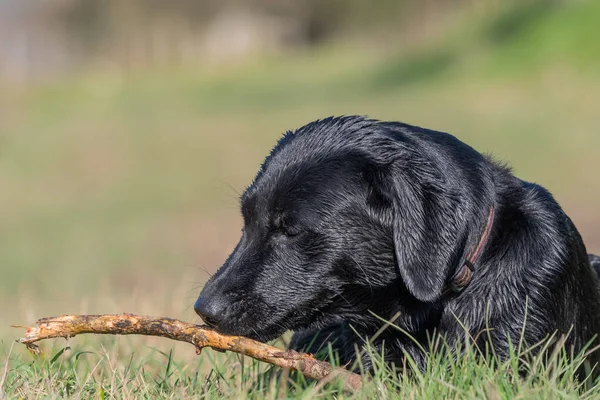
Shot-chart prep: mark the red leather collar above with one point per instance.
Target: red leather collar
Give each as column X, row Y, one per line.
column 461, row 279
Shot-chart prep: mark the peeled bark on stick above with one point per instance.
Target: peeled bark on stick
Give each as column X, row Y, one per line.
column 200, row 336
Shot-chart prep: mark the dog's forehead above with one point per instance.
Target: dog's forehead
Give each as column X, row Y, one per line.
column 321, row 137
column 301, row 184
column 319, row 159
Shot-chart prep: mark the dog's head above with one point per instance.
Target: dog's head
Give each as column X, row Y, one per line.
column 344, row 215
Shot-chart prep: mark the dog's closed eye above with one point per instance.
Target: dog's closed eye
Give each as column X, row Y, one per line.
column 283, row 226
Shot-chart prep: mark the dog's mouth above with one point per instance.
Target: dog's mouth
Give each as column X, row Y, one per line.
column 262, row 321
column 262, row 328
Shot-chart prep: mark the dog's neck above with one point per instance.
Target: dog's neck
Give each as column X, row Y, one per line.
column 406, row 312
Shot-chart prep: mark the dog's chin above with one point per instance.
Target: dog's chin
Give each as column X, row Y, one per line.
column 265, row 335
column 266, row 331
column 259, row 333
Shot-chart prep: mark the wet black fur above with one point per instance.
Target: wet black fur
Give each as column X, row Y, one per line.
column 350, row 217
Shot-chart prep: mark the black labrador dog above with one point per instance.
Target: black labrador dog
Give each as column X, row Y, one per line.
column 351, row 221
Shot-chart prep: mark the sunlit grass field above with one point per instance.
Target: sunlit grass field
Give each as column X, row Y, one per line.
column 119, row 192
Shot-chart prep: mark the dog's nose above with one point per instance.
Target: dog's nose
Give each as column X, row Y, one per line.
column 210, row 309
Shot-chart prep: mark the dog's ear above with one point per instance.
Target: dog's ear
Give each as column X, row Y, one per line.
column 427, row 224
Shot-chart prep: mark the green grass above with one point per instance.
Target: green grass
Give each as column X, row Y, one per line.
column 119, row 192
column 115, row 372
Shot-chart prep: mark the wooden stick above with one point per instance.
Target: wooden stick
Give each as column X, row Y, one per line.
column 200, row 336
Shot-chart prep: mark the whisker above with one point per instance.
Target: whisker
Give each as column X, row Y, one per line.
column 363, row 271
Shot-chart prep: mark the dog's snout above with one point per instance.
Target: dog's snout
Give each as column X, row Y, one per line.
column 210, row 308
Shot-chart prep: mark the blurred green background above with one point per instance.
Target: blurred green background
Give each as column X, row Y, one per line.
column 128, row 129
